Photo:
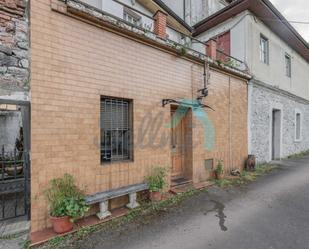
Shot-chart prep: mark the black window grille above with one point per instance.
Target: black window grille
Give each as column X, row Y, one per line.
column 116, row 129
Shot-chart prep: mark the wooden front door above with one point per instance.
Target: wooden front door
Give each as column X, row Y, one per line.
column 178, row 146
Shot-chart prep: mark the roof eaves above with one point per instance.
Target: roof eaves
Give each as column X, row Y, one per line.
column 228, row 7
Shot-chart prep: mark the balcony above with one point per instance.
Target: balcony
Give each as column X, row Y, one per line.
column 160, row 28
column 135, row 15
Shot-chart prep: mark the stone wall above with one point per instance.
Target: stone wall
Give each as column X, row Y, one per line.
column 14, row 49
column 263, row 100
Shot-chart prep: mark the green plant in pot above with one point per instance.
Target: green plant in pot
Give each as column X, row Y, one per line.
column 66, row 203
column 156, row 182
column 219, row 170
column 13, row 168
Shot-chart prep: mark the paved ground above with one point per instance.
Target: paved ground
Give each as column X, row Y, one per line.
column 272, row 213
column 13, row 243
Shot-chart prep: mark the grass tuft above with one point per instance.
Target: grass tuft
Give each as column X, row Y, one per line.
column 246, row 176
column 299, row 155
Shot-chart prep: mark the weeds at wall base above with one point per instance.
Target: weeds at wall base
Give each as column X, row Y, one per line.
column 139, row 214
column 246, row 176
column 148, row 210
column 299, row 155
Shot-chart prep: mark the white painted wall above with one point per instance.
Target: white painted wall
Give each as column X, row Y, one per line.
column 177, row 6
column 10, row 123
column 274, row 74
column 116, row 9
column 193, row 11
column 245, row 46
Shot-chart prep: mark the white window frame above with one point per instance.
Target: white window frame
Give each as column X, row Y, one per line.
column 132, row 17
column 298, row 112
column 288, row 65
column 264, row 51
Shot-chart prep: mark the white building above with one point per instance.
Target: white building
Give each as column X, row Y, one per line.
column 255, row 32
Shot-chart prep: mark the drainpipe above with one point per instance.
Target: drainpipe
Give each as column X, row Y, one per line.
column 230, row 124
column 250, row 90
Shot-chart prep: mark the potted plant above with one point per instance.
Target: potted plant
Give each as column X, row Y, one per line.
column 66, row 203
column 13, row 168
column 219, row 170
column 156, row 182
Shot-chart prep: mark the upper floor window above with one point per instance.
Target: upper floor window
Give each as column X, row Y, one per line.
column 298, row 126
column 264, row 49
column 288, row 65
column 132, row 17
column 116, row 129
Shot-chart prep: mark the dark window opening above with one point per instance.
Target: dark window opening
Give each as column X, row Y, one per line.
column 116, row 130
column 264, row 49
column 298, row 127
column 288, row 65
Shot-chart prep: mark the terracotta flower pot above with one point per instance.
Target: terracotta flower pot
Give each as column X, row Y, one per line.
column 219, row 176
column 155, row 196
column 61, row 224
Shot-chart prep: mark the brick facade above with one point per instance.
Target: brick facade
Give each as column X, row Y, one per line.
column 75, row 63
column 160, row 22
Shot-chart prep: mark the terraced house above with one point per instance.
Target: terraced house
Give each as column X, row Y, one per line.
column 119, row 87
column 277, row 56
column 106, row 78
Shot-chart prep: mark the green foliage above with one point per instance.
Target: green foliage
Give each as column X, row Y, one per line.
column 246, row 176
column 65, row 198
column 183, row 51
column 299, row 155
column 142, row 214
column 220, row 169
column 75, row 207
column 156, row 180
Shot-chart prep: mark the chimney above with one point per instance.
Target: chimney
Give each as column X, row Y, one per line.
column 211, row 49
column 160, row 20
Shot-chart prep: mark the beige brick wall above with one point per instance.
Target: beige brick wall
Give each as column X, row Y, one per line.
column 73, row 64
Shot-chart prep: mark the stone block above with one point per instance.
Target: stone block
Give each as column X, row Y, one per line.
column 3, row 70
column 24, row 63
column 6, row 60
column 5, row 49
column 22, row 45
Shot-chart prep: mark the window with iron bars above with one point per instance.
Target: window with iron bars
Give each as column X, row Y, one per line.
column 116, row 129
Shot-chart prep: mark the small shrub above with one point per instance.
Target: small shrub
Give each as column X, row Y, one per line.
column 65, row 198
column 219, row 169
column 156, row 180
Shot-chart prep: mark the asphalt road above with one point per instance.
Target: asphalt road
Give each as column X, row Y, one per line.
column 272, row 213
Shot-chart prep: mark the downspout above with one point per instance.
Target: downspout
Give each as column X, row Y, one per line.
column 250, row 90
column 230, row 125
column 184, row 10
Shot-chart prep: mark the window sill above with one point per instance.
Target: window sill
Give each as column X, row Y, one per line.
column 129, row 161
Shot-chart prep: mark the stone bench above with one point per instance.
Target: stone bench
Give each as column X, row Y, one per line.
column 103, row 197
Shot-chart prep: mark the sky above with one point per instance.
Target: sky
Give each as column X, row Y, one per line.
column 295, row 10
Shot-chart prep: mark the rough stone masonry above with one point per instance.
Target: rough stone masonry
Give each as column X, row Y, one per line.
column 14, row 50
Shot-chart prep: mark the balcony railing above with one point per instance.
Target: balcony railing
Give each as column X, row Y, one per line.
column 231, row 61
column 137, row 20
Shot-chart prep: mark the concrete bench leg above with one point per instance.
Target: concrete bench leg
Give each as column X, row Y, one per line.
column 104, row 213
column 133, row 203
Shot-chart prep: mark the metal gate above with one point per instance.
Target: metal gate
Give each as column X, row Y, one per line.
column 14, row 184
column 15, row 165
